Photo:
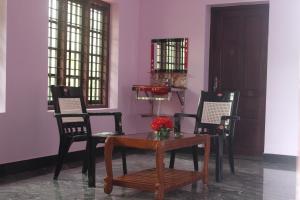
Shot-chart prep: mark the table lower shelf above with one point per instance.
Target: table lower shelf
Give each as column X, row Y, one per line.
column 147, row 179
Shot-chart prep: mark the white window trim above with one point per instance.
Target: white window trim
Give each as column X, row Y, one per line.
column 3, row 29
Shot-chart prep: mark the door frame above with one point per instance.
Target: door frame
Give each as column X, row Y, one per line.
column 207, row 58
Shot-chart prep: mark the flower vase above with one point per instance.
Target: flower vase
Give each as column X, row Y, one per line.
column 163, row 133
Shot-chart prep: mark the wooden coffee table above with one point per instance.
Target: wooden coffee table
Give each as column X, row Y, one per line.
column 159, row 179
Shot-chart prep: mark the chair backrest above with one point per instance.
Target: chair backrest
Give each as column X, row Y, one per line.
column 69, row 100
column 212, row 106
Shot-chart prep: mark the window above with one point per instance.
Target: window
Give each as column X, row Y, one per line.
column 169, row 55
column 78, row 48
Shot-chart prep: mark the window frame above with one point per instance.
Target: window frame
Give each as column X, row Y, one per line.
column 62, row 41
column 164, row 55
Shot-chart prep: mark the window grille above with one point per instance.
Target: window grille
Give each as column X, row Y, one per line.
column 169, row 55
column 78, row 48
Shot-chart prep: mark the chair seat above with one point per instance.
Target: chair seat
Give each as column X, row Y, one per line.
column 78, row 137
column 105, row 134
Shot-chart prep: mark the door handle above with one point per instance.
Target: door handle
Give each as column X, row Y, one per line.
column 216, row 84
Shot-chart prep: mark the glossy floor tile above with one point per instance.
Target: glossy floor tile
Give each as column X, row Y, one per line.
column 254, row 180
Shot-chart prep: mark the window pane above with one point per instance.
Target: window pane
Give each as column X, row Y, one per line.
column 78, row 47
column 74, row 35
column 170, row 54
column 96, row 49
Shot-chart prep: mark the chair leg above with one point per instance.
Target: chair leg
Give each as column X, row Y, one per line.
column 195, row 157
column 124, row 164
column 64, row 147
column 172, row 159
column 230, row 154
column 219, row 140
column 86, row 159
column 92, row 162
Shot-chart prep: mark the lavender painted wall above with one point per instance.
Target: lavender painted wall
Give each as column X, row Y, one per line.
column 178, row 18
column 283, row 108
column 28, row 129
column 175, row 19
column 26, row 112
column 125, row 25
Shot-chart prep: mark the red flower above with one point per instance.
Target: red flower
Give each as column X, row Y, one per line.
column 161, row 122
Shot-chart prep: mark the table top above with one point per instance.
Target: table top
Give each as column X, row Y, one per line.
column 159, row 179
column 150, row 141
column 152, row 136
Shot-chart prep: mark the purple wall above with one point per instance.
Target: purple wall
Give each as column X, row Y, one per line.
column 173, row 19
column 180, row 18
column 28, row 129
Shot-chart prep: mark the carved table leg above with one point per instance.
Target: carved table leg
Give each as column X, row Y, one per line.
column 109, row 145
column 159, row 193
column 107, row 185
column 159, row 187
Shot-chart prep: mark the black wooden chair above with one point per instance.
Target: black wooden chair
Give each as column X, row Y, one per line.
column 217, row 116
column 74, row 126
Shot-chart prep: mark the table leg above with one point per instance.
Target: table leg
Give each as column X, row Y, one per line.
column 108, row 149
column 159, row 186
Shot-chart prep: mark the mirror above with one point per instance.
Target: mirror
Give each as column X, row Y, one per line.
column 169, row 55
column 169, row 62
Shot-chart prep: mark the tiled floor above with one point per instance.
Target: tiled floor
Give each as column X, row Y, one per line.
column 254, row 180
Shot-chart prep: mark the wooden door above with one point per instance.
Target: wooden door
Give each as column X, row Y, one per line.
column 238, row 61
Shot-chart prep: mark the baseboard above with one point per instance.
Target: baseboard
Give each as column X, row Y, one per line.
column 49, row 161
column 37, row 163
column 276, row 158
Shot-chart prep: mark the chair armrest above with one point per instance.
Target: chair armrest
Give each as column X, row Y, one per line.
column 59, row 115
column 104, row 113
column 180, row 115
column 117, row 117
column 177, row 118
column 233, row 117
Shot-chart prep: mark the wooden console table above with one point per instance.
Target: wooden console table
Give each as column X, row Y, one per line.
column 158, row 93
column 159, row 179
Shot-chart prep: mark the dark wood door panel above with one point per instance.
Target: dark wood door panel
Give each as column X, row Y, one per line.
column 238, row 58
column 255, row 50
column 247, row 142
column 248, row 108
